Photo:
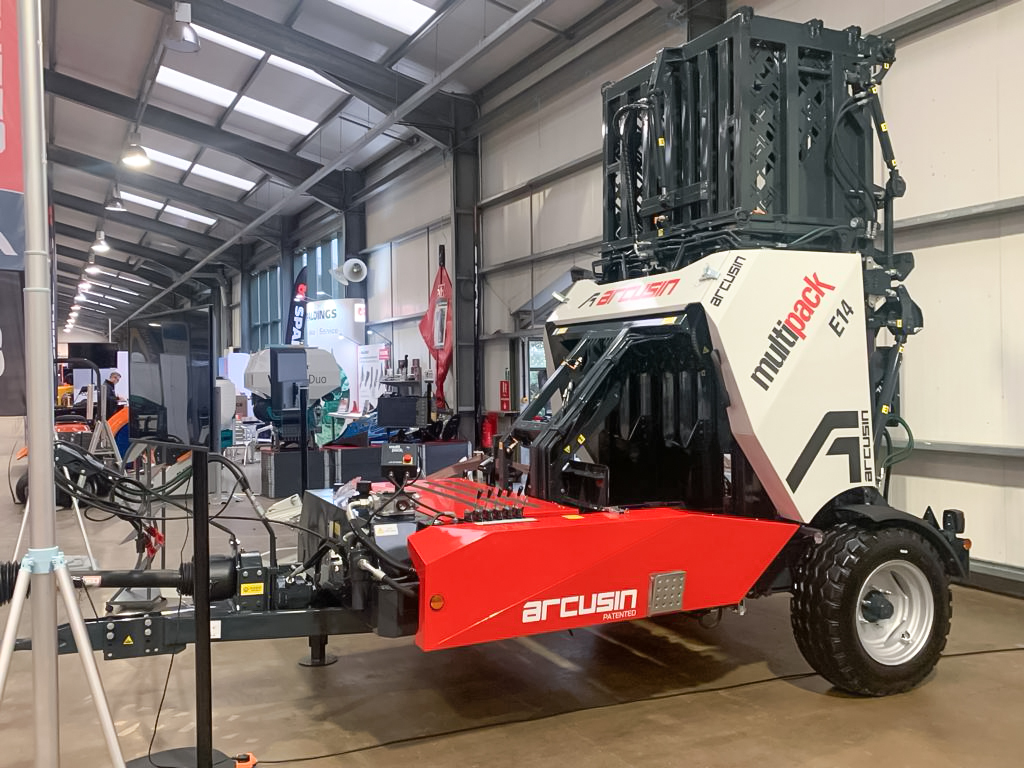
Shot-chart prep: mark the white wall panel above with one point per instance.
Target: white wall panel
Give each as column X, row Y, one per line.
column 402, row 207
column 378, row 285
column 961, row 380
column 946, row 130
column 557, row 132
column 990, row 491
column 568, row 212
column 839, row 14
column 410, row 282
column 505, row 232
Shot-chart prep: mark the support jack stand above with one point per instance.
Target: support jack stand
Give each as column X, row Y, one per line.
column 318, row 655
column 50, row 562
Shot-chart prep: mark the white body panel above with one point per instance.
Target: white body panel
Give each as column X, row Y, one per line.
column 324, row 373
column 788, row 327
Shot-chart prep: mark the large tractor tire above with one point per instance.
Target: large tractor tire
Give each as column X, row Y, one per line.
column 871, row 608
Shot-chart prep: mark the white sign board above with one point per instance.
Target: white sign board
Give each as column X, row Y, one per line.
column 339, row 326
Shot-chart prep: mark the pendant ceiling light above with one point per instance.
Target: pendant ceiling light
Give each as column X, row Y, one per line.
column 179, row 34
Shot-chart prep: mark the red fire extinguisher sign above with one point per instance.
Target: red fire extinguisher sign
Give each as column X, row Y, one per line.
column 504, row 395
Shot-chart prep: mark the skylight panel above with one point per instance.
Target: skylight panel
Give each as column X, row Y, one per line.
column 228, row 42
column 404, row 15
column 200, row 170
column 224, row 178
column 275, row 116
column 189, row 215
column 193, row 86
column 301, row 71
column 164, row 159
column 140, row 200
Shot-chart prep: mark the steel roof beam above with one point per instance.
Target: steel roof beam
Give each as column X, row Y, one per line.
column 290, row 169
column 369, row 81
column 399, row 113
column 154, row 185
column 176, row 264
column 182, row 235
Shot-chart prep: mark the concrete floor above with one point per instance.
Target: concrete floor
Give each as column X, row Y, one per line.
column 659, row 692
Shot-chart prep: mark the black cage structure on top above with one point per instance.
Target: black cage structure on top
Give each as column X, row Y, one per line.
column 752, row 134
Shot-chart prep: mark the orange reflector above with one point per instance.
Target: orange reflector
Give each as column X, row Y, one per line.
column 436, row 602
column 967, row 544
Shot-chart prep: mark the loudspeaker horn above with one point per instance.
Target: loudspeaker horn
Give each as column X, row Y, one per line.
column 354, row 270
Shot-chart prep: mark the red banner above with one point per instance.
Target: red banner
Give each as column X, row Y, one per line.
column 11, row 176
column 436, row 328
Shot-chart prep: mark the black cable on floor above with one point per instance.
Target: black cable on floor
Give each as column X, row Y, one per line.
column 657, row 697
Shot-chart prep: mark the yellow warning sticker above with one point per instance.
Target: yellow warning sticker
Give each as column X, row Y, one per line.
column 581, row 439
column 668, row 320
column 252, row 589
column 128, row 641
column 567, row 449
column 573, row 517
column 661, row 233
column 661, row 141
column 883, row 127
column 899, row 323
column 885, row 409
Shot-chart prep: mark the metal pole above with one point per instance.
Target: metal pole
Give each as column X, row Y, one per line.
column 39, row 370
column 201, row 596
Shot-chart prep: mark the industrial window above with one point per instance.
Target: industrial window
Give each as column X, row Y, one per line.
column 265, row 309
column 320, row 260
column 536, row 367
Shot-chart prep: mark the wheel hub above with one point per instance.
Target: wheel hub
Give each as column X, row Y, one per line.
column 895, row 612
column 875, row 607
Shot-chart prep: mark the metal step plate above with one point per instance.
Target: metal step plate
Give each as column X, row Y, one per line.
column 666, row 592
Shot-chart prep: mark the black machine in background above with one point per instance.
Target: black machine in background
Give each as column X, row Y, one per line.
column 170, row 382
column 288, row 380
column 100, row 354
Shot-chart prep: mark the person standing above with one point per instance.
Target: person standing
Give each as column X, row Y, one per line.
column 109, row 395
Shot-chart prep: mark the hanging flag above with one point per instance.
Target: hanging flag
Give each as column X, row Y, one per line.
column 295, row 328
column 436, row 327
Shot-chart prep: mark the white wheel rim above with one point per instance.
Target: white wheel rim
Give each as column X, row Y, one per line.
column 901, row 637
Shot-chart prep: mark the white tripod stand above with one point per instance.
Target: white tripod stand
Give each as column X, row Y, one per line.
column 43, row 562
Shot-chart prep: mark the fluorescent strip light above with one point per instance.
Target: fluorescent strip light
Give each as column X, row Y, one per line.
column 114, row 298
column 140, row 200
column 133, row 280
column 228, row 42
column 189, row 215
column 193, row 86
column 404, row 15
column 275, row 116
column 301, row 71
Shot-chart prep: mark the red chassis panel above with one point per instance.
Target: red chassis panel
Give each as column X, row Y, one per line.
column 563, row 570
